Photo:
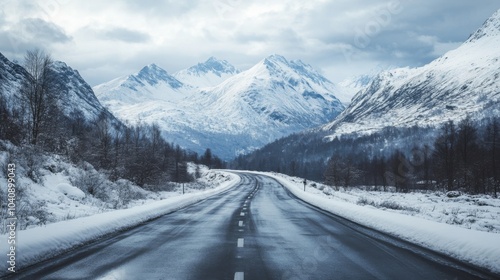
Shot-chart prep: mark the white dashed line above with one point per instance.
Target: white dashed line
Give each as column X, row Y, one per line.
column 239, row 276
column 240, row 242
column 242, row 214
column 240, row 223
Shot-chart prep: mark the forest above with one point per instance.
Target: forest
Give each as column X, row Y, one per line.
column 455, row 157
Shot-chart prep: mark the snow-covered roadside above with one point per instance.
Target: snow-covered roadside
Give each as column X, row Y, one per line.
column 476, row 247
column 37, row 244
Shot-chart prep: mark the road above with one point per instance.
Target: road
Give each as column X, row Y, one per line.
column 256, row 230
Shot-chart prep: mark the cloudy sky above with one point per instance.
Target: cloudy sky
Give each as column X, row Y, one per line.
column 341, row 38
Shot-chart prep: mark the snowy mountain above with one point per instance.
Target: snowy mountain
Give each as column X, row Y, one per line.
column 207, row 74
column 278, row 93
column 349, row 87
column 274, row 98
column 74, row 95
column 11, row 77
column 462, row 81
column 150, row 83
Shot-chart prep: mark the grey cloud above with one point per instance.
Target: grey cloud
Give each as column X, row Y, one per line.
column 125, row 35
column 375, row 32
column 31, row 33
column 162, row 8
column 41, row 30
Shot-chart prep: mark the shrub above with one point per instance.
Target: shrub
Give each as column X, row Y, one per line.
column 365, row 201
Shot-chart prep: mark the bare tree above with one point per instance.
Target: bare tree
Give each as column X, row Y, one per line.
column 493, row 149
column 466, row 150
column 445, row 154
column 36, row 91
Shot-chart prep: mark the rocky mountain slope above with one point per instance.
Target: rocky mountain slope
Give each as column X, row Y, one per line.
column 74, row 96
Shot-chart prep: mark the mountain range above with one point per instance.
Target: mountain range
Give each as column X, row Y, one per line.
column 214, row 105
column 398, row 111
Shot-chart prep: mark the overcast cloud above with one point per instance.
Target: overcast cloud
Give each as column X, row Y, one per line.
column 341, row 38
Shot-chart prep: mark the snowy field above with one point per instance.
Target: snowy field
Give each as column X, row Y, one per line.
column 466, row 227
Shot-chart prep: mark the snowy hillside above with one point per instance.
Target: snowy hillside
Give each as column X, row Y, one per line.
column 11, row 77
column 274, row 98
column 349, row 87
column 462, row 81
column 207, row 74
column 74, row 95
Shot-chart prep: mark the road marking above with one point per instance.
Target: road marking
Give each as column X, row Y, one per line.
column 239, row 276
column 242, row 214
column 240, row 223
column 244, row 208
column 240, row 242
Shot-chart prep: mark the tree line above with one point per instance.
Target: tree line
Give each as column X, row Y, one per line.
column 138, row 152
column 463, row 156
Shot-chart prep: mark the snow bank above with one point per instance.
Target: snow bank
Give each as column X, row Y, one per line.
column 475, row 247
column 37, row 244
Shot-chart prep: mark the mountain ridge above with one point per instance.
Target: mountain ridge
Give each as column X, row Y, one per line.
column 74, row 94
column 245, row 111
column 209, row 73
column 459, row 83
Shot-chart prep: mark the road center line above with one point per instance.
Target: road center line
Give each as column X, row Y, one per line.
column 242, row 214
column 240, row 242
column 240, row 223
column 239, row 276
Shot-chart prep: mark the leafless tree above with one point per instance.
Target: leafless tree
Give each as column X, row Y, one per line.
column 36, row 91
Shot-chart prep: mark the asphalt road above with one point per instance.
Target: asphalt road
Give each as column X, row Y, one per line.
column 256, row 230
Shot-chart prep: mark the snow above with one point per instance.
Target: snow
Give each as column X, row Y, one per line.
column 477, row 247
column 350, row 86
column 41, row 243
column 60, row 183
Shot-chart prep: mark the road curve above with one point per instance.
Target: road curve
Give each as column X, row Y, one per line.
column 256, row 230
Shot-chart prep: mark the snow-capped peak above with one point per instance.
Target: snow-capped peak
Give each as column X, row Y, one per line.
column 216, row 66
column 151, row 82
column 153, row 74
column 207, row 74
column 490, row 28
column 275, row 59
